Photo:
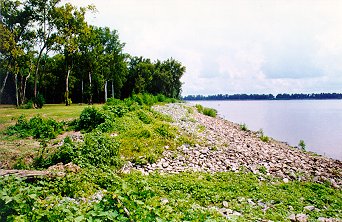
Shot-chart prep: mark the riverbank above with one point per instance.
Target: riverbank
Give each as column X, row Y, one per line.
column 224, row 146
column 181, row 166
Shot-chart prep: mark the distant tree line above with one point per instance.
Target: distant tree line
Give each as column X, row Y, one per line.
column 283, row 96
column 48, row 50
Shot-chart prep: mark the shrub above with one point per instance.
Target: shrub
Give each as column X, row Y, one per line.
column 262, row 137
column 165, row 131
column 302, row 144
column 99, row 150
column 28, row 105
column 40, row 101
column 199, row 108
column 37, row 127
column 243, row 127
column 144, row 117
column 206, row 111
column 210, row 112
column 90, row 118
column 118, row 110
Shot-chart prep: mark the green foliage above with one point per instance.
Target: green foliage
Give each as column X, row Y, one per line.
column 90, row 118
column 263, row 137
column 99, row 150
column 199, row 108
column 37, row 127
column 165, row 131
column 40, row 101
column 210, row 112
column 28, row 105
column 206, row 111
column 170, row 197
column 144, row 116
column 65, row 153
column 302, row 144
column 244, row 127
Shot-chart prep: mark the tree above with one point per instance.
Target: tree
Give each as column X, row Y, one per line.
column 69, row 22
column 17, row 23
column 45, row 30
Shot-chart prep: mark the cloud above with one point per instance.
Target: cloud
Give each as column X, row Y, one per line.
column 233, row 46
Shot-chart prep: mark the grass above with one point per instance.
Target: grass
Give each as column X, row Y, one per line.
column 13, row 148
column 59, row 112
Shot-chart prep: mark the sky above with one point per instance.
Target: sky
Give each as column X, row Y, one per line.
column 230, row 47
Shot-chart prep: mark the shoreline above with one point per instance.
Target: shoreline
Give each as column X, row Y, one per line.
column 222, row 146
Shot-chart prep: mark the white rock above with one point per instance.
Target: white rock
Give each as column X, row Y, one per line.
column 309, row 208
column 225, row 203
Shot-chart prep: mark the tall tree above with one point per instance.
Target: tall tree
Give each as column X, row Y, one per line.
column 18, row 19
column 69, row 22
column 45, row 29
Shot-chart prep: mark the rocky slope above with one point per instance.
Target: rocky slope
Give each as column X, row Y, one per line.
column 223, row 146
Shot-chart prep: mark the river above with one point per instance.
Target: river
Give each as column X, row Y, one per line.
column 317, row 122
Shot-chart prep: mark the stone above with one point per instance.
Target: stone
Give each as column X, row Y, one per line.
column 309, row 208
column 225, row 203
column 292, row 217
column 164, row 201
column 235, row 213
column 301, row 218
column 285, row 180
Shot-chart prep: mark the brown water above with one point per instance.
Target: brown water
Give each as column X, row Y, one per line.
column 317, row 122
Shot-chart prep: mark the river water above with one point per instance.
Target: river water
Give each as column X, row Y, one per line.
column 317, row 122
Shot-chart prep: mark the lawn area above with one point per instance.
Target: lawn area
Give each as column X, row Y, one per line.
column 59, row 112
column 13, row 148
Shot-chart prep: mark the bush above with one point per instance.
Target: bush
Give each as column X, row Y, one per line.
column 37, row 127
column 40, row 101
column 99, row 150
column 243, row 127
column 199, row 108
column 210, row 112
column 90, row 118
column 144, row 117
column 165, row 131
column 28, row 105
column 302, row 144
column 206, row 111
column 262, row 137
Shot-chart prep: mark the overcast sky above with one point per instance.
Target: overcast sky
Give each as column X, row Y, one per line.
column 255, row 46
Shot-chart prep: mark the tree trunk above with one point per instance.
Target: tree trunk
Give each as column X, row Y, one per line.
column 67, row 102
column 112, row 88
column 25, row 83
column 37, row 68
column 82, row 91
column 16, row 89
column 91, row 90
column 105, row 88
column 3, row 85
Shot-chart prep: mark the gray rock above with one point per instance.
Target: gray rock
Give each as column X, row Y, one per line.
column 309, row 208
column 292, row 217
column 301, row 218
column 225, row 203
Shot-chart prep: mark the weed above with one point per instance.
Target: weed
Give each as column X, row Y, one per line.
column 243, row 127
column 206, row 111
column 263, row 137
column 37, row 127
column 262, row 169
column 302, row 145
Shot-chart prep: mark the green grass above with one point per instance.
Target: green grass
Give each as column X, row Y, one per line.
column 59, row 112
